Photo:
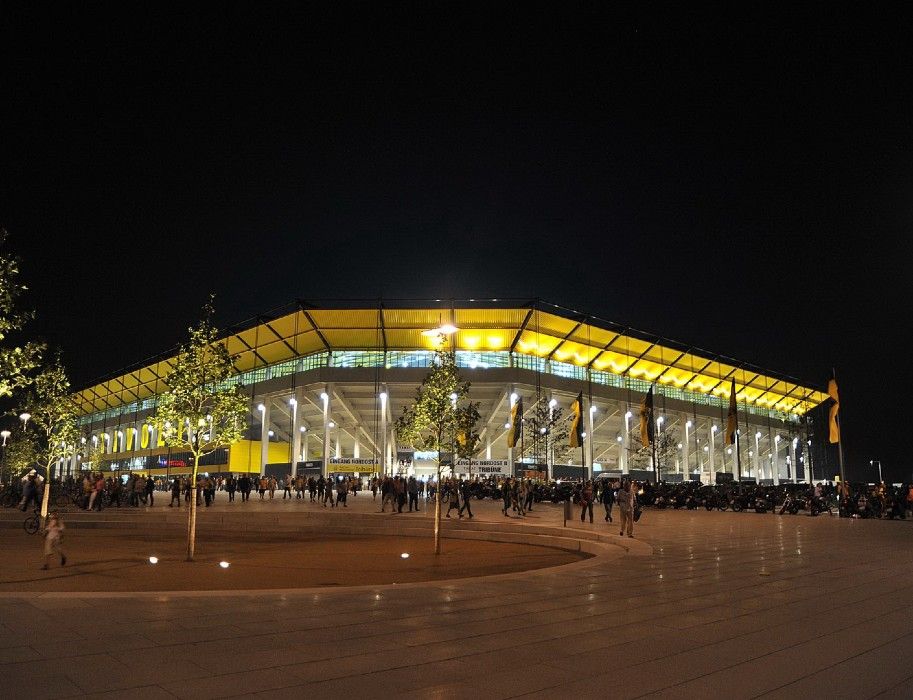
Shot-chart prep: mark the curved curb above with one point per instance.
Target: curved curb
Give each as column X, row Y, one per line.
column 600, row 548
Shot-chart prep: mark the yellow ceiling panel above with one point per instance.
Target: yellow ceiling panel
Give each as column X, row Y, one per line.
column 485, row 339
column 345, row 318
column 539, row 344
column 593, row 335
column 246, row 360
column 276, row 351
column 251, row 337
column 287, row 326
column 490, row 318
column 307, row 343
column 409, row 339
column 576, row 353
column 612, row 361
column 646, row 370
column 550, row 324
column 416, row 318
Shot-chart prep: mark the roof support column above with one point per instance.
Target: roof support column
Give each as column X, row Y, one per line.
column 264, row 434
column 325, row 396
column 382, row 466
column 296, row 431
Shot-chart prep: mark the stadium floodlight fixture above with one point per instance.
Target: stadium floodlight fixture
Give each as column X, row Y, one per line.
column 444, row 329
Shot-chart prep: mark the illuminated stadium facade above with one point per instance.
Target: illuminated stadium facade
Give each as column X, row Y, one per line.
column 331, row 379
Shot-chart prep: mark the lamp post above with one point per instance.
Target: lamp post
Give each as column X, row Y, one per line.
column 872, row 462
column 5, row 434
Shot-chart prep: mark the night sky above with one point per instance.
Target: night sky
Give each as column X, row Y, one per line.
column 739, row 182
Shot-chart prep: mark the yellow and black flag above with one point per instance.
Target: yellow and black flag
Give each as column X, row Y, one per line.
column 835, row 408
column 732, row 419
column 516, row 423
column 647, row 424
column 575, row 439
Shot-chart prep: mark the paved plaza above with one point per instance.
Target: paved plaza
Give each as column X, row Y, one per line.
column 698, row 604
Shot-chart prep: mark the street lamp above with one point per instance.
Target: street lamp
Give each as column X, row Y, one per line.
column 872, row 462
column 24, row 417
column 5, row 435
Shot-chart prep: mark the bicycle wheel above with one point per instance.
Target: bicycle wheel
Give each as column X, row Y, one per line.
column 31, row 524
column 7, row 500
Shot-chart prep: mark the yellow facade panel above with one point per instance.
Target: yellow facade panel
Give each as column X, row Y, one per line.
column 646, row 370
column 612, row 361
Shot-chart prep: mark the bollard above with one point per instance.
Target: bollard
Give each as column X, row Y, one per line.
column 567, row 511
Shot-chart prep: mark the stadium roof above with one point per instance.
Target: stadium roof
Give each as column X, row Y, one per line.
column 524, row 327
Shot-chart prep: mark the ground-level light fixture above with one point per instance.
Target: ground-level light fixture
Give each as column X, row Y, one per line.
column 224, row 564
column 405, row 555
column 153, row 560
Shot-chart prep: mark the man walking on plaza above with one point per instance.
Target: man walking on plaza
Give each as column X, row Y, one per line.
column 175, row 492
column 412, row 488
column 586, row 501
column 625, row 497
column 607, row 498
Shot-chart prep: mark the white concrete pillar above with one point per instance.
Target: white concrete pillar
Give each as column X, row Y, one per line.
column 626, row 444
column 356, row 450
column 687, row 445
column 383, row 397
column 325, row 397
column 713, row 429
column 590, row 436
column 264, row 434
column 794, row 466
column 296, row 435
column 488, row 443
column 775, row 463
column 756, row 456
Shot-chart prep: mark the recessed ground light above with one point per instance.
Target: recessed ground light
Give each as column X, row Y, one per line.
column 153, row 560
column 405, row 555
column 224, row 564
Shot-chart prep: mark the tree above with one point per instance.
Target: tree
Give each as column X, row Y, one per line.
column 52, row 429
column 17, row 361
column 438, row 415
column 666, row 442
column 200, row 410
column 547, row 432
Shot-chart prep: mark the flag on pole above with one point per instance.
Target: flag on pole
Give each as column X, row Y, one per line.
column 835, row 407
column 732, row 420
column 647, row 425
column 516, row 423
column 576, row 436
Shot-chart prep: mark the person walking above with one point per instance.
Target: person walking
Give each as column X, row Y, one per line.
column 328, row 494
column 505, row 496
column 175, row 492
column 231, row 485
column 53, row 540
column 530, row 495
column 342, row 492
column 625, row 497
column 387, row 495
column 412, row 488
column 607, row 498
column 454, row 498
column 150, row 491
column 465, row 495
column 586, row 501
column 286, row 486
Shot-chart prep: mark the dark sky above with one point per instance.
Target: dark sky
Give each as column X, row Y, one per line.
column 740, row 182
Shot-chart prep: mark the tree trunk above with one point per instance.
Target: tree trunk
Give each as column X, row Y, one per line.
column 46, row 496
column 192, row 513
column 437, row 511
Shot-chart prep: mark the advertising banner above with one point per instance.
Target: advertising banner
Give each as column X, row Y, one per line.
column 339, row 465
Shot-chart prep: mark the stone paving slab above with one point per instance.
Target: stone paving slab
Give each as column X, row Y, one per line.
column 699, row 604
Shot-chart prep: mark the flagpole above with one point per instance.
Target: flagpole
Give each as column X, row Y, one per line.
column 839, row 420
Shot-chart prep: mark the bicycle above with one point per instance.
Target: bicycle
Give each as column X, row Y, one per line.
column 32, row 523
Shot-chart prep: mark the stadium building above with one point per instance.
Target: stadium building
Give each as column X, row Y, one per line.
column 327, row 381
